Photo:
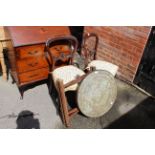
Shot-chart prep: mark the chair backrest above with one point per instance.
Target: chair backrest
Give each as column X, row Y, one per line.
column 60, row 51
column 89, row 47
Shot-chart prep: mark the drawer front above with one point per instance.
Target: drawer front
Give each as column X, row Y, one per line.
column 31, row 64
column 33, row 76
column 29, row 51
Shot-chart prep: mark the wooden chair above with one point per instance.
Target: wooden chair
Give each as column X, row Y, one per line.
column 60, row 53
column 89, row 51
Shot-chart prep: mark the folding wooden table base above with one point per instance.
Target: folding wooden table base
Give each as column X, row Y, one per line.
column 65, row 113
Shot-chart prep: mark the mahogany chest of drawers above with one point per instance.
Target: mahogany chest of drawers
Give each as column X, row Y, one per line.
column 26, row 51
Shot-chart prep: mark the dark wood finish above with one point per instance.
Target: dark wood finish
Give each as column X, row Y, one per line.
column 89, row 47
column 25, row 61
column 26, row 51
column 65, row 112
column 61, row 51
column 26, row 35
column 35, row 75
column 30, row 51
column 63, row 103
column 79, row 79
column 31, row 64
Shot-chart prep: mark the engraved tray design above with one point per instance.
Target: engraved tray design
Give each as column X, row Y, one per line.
column 97, row 93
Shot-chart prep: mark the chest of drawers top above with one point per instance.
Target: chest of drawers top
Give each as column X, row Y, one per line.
column 27, row 35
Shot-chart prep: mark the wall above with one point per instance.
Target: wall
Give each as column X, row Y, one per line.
column 121, row 45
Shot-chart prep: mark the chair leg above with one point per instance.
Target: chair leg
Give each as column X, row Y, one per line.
column 63, row 104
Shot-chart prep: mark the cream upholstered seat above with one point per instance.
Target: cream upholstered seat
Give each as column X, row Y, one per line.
column 67, row 74
column 103, row 65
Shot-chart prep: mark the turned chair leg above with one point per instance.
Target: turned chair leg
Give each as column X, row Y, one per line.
column 63, row 103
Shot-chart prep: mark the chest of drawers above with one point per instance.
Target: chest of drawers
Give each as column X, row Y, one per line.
column 26, row 51
column 30, row 64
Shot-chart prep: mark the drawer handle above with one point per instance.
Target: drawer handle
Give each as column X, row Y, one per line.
column 33, row 75
column 32, row 52
column 17, row 54
column 33, row 64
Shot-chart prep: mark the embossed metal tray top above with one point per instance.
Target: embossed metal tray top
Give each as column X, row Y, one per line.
column 97, row 93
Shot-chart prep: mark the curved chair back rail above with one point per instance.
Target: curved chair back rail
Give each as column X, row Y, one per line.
column 88, row 53
column 60, row 49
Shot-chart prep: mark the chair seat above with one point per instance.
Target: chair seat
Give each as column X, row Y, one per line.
column 103, row 65
column 67, row 74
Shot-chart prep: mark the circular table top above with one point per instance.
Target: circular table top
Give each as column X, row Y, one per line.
column 97, row 93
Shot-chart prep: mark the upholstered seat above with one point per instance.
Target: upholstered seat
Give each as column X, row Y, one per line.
column 67, row 74
column 103, row 65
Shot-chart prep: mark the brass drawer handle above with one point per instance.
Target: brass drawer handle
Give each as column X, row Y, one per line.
column 33, row 64
column 32, row 52
column 33, row 75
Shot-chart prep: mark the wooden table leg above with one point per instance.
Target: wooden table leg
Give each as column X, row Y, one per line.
column 63, row 103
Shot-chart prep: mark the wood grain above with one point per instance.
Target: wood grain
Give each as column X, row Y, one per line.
column 35, row 34
column 26, row 51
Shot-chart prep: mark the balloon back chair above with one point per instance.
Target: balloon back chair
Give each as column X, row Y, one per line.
column 60, row 53
column 89, row 51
